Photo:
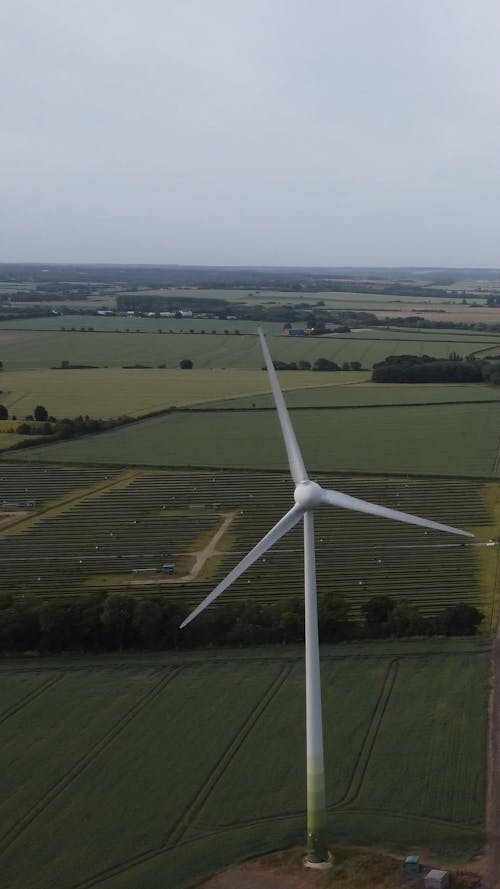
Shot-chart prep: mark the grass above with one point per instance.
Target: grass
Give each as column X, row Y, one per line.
column 7, row 439
column 132, row 773
column 344, row 394
column 456, row 439
column 8, row 425
column 26, row 349
column 111, row 392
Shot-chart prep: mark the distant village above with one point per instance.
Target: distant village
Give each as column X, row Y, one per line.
column 177, row 313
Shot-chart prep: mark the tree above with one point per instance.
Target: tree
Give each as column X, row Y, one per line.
column 406, row 620
column 40, row 413
column 459, row 620
column 19, row 628
column 59, row 626
column 333, row 611
column 4, row 414
column 148, row 621
column 117, row 618
column 325, row 364
column 185, row 364
column 291, row 625
column 377, row 612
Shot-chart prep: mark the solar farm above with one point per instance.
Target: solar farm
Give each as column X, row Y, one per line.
column 105, row 529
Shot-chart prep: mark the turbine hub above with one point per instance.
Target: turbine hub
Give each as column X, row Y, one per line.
column 308, row 495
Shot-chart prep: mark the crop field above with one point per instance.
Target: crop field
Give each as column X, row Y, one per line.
column 7, row 439
column 36, row 349
column 256, row 297
column 210, row 326
column 365, row 394
column 96, row 536
column 112, row 392
column 109, row 781
column 441, row 439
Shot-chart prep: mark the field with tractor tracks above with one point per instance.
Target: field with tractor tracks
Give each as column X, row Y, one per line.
column 26, row 347
column 456, row 439
column 116, row 391
column 154, row 771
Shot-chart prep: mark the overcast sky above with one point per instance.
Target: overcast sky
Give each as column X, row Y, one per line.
column 275, row 132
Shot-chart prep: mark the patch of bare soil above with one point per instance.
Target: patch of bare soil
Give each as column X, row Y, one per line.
column 242, row 878
column 282, row 870
column 353, row 869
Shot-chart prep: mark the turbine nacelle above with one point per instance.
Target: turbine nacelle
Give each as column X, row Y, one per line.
column 308, row 495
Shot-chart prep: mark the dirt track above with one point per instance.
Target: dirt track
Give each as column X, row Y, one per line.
column 200, row 557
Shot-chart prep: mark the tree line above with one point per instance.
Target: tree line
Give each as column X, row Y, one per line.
column 319, row 364
column 425, row 369
column 120, row 621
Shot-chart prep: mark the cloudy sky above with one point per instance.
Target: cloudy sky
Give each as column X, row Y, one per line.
column 274, row 132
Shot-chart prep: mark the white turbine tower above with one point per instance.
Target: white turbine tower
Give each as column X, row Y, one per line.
column 308, row 495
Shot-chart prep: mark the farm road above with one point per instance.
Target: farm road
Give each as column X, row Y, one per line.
column 200, row 557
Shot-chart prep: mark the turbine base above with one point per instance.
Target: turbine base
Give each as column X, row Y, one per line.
column 318, row 865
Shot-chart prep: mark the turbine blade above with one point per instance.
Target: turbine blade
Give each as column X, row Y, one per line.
column 285, row 524
column 295, row 460
column 336, row 498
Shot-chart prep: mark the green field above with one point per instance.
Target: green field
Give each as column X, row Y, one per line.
column 113, row 392
column 454, row 439
column 35, row 349
column 332, row 299
column 211, row 326
column 367, row 395
column 8, row 439
column 153, row 772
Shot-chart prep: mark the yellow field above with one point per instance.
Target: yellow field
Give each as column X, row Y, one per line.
column 8, row 439
column 8, row 425
column 111, row 392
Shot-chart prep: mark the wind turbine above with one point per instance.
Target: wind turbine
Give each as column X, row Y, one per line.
column 308, row 496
